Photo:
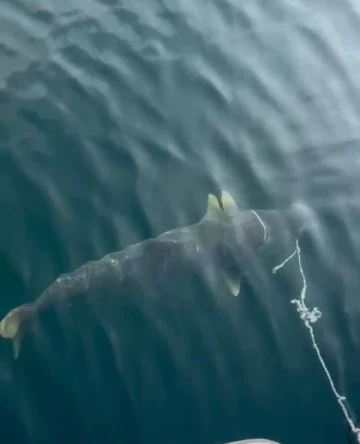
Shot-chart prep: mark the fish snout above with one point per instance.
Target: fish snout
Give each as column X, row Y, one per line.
column 300, row 217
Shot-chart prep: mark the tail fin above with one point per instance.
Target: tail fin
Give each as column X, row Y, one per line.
column 12, row 326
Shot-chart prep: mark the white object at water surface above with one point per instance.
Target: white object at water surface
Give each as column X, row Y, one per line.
column 254, row 441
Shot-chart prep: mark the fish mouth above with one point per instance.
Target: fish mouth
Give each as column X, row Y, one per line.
column 300, row 217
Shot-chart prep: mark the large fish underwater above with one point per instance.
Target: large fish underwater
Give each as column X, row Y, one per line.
column 226, row 236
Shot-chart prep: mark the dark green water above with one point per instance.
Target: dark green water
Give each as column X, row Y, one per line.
column 116, row 121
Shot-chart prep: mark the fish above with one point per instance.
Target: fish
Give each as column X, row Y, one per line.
column 226, row 235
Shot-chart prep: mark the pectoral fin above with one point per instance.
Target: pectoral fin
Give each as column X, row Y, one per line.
column 233, row 281
column 16, row 342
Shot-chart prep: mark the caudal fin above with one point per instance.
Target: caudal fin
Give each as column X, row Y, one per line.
column 12, row 326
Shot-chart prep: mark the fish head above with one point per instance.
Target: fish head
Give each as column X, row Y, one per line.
column 300, row 218
column 248, row 236
column 285, row 225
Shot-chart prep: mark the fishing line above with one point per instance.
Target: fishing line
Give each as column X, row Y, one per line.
column 310, row 317
column 262, row 223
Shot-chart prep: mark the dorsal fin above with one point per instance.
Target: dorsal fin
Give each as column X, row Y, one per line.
column 228, row 203
column 213, row 207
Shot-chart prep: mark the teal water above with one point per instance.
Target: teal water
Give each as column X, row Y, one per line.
column 116, row 121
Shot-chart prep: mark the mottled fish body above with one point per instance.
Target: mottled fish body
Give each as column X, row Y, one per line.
column 225, row 236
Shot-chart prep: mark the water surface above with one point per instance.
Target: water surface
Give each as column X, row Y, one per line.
column 116, row 121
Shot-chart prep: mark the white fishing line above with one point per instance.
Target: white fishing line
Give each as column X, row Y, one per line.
column 262, row 223
column 275, row 269
column 310, row 317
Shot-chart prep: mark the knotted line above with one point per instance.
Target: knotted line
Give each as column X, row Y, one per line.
column 310, row 317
